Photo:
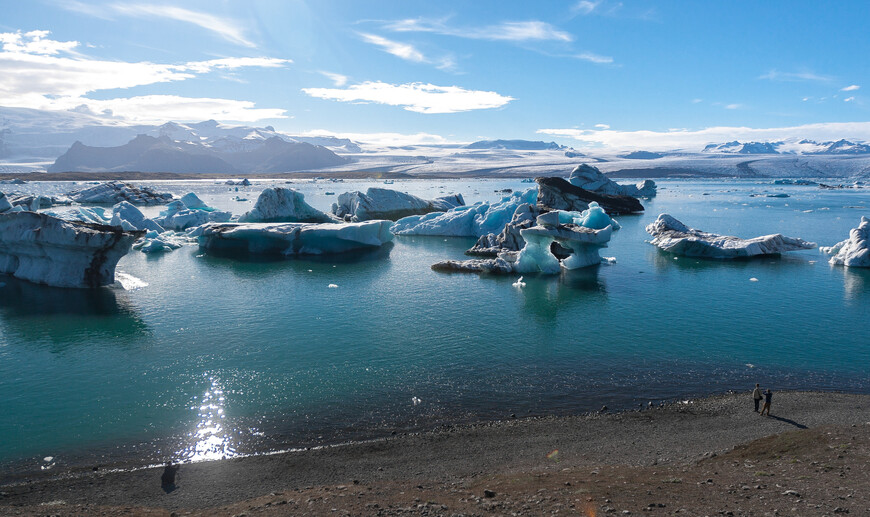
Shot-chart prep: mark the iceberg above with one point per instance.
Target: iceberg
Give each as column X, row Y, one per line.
column 591, row 178
column 283, row 205
column 189, row 212
column 577, row 246
column 381, row 203
column 47, row 250
column 5, row 205
column 672, row 236
column 114, row 192
column 290, row 239
column 854, row 251
column 466, row 221
column 558, row 194
column 128, row 217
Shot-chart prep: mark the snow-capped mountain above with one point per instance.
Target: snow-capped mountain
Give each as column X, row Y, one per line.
column 516, row 145
column 789, row 147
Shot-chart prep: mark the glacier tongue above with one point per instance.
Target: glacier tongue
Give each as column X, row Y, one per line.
column 672, row 236
column 854, row 251
column 47, row 250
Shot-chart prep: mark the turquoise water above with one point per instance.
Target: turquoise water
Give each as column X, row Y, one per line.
column 218, row 356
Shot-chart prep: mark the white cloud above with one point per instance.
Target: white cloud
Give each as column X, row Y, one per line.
column 507, row 31
column 697, row 101
column 383, row 139
column 848, row 99
column 594, row 58
column 697, row 139
column 417, row 97
column 402, row 50
column 602, row 126
column 851, row 88
column 734, row 106
column 224, row 27
column 39, row 73
column 337, row 79
column 805, row 75
column 160, row 108
column 586, row 6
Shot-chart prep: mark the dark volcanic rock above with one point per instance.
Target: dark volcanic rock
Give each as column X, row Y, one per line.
column 558, row 194
column 509, row 239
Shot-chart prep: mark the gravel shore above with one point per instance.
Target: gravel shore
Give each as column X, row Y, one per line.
column 515, row 456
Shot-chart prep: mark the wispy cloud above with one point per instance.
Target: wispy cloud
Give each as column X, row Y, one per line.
column 586, row 6
column 226, row 28
column 697, row 139
column 385, row 139
column 402, row 50
column 417, row 97
column 805, row 75
column 42, row 73
column 849, row 99
column 733, row 106
column 532, row 30
column 337, row 79
column 850, row 88
column 594, row 58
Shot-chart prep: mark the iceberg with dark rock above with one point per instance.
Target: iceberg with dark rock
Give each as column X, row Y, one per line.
column 672, row 236
column 592, row 179
column 291, row 239
column 113, row 192
column 466, row 221
column 47, row 250
column 559, row 194
column 854, row 251
column 283, row 205
column 509, row 239
column 381, row 203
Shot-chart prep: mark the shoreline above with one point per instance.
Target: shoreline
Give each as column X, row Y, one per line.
column 676, row 434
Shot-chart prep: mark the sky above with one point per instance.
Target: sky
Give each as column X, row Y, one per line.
column 585, row 73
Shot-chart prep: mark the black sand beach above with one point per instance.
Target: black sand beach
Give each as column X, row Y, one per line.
column 626, row 462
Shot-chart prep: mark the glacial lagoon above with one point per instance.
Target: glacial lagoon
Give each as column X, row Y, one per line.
column 200, row 357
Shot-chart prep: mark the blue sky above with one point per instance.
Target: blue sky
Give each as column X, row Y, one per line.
column 582, row 72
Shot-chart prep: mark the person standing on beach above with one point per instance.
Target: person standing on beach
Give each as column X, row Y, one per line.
column 756, row 395
column 767, row 396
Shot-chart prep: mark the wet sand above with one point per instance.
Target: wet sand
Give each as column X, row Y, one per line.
column 680, row 435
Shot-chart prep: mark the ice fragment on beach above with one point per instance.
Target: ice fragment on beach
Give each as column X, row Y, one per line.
column 415, row 401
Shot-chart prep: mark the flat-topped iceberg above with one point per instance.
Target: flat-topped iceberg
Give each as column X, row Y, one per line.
column 854, row 251
column 47, row 250
column 466, row 221
column 114, row 192
column 34, row 202
column 672, row 236
column 591, row 178
column 381, row 203
column 283, row 205
column 294, row 238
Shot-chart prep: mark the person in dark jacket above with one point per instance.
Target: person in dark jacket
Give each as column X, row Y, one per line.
column 767, row 396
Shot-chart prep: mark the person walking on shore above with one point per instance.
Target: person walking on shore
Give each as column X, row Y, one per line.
column 756, row 395
column 767, row 396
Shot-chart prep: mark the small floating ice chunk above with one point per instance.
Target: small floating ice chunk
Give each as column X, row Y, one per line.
column 753, row 279
column 415, row 401
column 519, row 283
column 750, row 365
column 333, row 286
column 609, row 260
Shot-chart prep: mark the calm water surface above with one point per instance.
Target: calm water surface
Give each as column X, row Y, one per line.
column 219, row 356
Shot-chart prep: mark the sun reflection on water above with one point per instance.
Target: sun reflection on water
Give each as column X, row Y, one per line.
column 210, row 440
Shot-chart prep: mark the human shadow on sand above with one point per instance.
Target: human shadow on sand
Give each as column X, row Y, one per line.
column 788, row 421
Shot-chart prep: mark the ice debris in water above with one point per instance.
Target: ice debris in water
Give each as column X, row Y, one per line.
column 333, row 286
column 519, row 283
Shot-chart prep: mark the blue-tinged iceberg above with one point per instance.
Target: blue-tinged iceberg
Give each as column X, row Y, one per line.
column 283, row 205
column 854, row 251
column 189, row 212
column 578, row 246
column 673, row 236
column 466, row 221
column 381, row 203
column 294, row 238
column 114, row 192
column 47, row 250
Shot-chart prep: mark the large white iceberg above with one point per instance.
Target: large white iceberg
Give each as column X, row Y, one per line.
column 854, row 251
column 294, row 238
column 114, row 192
column 381, row 203
column 466, row 221
column 48, row 250
column 283, row 205
column 590, row 178
column 673, row 236
column 128, row 217
column 188, row 212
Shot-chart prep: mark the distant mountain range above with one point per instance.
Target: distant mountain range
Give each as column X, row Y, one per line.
column 516, row 145
column 808, row 147
column 228, row 154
